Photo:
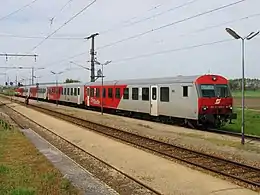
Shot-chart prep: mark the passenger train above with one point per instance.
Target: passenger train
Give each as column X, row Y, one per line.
column 196, row 101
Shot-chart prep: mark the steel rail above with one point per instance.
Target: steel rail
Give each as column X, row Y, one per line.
column 208, row 162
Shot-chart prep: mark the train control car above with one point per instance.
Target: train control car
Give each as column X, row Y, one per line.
column 202, row 100
column 195, row 100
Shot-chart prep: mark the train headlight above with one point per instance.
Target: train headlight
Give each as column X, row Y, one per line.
column 204, row 108
column 230, row 107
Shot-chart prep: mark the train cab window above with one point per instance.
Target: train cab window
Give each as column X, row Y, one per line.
column 104, row 92
column 222, row 91
column 118, row 95
column 154, row 93
column 135, row 93
column 110, row 93
column 78, row 91
column 75, row 91
column 97, row 92
column 71, row 91
column 185, row 91
column 145, row 94
column 126, row 94
column 91, row 92
column 164, row 94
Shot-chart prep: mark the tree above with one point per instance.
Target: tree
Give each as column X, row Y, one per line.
column 72, row 81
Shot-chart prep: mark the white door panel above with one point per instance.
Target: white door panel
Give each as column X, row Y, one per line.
column 154, row 100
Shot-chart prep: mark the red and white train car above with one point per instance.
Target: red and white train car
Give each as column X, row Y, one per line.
column 198, row 100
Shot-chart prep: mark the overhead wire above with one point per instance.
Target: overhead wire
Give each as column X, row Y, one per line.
column 157, row 15
column 130, row 19
column 172, row 50
column 171, row 24
column 199, row 30
column 18, row 10
column 62, row 8
column 40, row 37
column 203, row 29
column 218, row 25
column 64, row 24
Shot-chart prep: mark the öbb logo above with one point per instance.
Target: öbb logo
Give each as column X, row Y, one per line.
column 93, row 101
column 217, row 101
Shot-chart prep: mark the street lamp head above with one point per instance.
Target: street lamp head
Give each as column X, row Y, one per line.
column 107, row 62
column 233, row 33
column 252, row 35
column 53, row 72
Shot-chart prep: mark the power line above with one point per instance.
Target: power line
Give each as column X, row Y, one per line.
column 203, row 29
column 172, row 50
column 218, row 25
column 156, row 15
column 40, row 37
column 18, row 10
column 62, row 8
column 171, row 24
column 130, row 19
column 199, row 30
column 67, row 22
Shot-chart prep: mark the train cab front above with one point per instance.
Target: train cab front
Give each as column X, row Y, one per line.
column 215, row 102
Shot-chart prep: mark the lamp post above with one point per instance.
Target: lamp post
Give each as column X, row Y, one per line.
column 248, row 37
column 102, row 82
column 56, row 76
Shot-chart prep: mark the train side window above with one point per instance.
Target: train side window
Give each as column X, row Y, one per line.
column 154, row 93
column 110, row 93
column 118, row 94
column 91, row 92
column 185, row 91
column 104, row 92
column 145, row 94
column 164, row 94
column 75, row 91
column 97, row 92
column 65, row 91
column 126, row 94
column 71, row 91
column 78, row 91
column 135, row 93
column 68, row 91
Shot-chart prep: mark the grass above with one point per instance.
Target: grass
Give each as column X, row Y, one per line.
column 25, row 171
column 248, row 94
column 252, row 122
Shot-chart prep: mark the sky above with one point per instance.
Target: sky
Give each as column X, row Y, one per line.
column 143, row 39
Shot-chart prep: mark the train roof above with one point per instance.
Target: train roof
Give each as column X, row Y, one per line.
column 162, row 80
column 148, row 81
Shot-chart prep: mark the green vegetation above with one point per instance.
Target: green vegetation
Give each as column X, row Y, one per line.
column 71, row 81
column 24, row 170
column 8, row 91
column 252, row 122
column 248, row 94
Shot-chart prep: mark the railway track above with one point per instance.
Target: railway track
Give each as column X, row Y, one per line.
column 65, row 144
column 240, row 172
column 217, row 131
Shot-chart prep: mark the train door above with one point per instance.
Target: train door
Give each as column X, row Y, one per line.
column 78, row 93
column 88, row 96
column 154, row 101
